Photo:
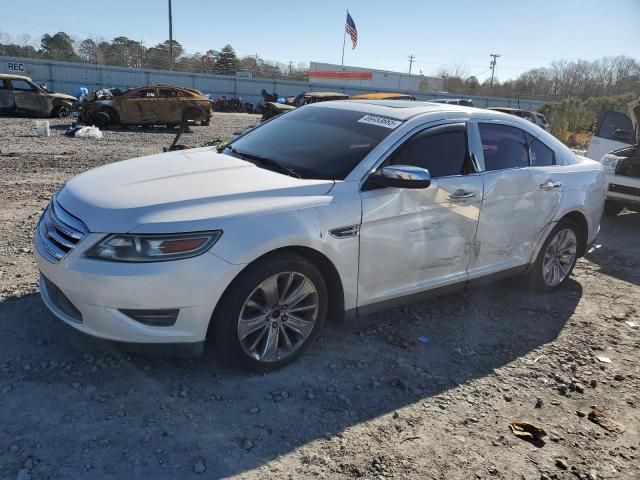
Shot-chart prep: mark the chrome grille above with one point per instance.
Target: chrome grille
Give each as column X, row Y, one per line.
column 58, row 232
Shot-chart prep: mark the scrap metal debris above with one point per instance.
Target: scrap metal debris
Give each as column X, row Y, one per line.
column 527, row 431
column 598, row 417
column 604, row 359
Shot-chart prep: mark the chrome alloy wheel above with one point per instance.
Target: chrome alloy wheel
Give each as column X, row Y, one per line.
column 278, row 316
column 559, row 257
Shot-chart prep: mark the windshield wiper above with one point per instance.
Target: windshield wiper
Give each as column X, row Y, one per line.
column 265, row 162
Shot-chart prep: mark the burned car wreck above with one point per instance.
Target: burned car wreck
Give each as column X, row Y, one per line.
column 272, row 108
column 147, row 105
column 20, row 96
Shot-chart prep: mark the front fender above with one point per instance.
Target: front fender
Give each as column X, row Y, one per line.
column 246, row 239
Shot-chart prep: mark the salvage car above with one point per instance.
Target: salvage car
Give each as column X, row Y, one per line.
column 20, row 96
column 465, row 102
column 533, row 117
column 616, row 144
column 334, row 210
column 615, row 130
column 148, row 105
column 623, row 180
column 272, row 109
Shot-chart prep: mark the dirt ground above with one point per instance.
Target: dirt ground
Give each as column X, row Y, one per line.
column 369, row 400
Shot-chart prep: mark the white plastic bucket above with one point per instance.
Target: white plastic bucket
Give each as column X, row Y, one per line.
column 42, row 128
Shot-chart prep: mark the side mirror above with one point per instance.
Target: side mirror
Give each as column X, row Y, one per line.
column 401, row 176
column 623, row 136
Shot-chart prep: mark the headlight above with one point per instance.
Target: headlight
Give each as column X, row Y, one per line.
column 610, row 162
column 153, row 248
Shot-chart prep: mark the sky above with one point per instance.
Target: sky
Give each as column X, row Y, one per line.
column 527, row 34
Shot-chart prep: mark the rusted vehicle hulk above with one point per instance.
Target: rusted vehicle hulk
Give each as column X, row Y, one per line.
column 272, row 109
column 20, row 96
column 148, row 105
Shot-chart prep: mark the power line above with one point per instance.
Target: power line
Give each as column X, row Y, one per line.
column 411, row 59
column 492, row 64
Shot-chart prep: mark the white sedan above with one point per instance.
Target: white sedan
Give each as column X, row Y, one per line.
column 332, row 210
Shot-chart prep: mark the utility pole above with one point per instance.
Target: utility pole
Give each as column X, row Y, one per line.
column 290, row 64
column 492, row 65
column 141, row 54
column 170, row 38
column 411, row 59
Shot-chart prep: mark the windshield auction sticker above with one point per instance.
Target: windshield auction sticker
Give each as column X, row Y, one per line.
column 385, row 122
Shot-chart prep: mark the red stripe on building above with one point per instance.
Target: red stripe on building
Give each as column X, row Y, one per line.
column 341, row 75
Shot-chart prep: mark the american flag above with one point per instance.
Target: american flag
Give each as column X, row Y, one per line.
column 351, row 29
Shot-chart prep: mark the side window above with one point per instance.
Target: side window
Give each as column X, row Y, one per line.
column 441, row 150
column 612, row 122
column 4, row 85
column 503, row 146
column 145, row 93
column 539, row 154
column 22, row 86
column 170, row 93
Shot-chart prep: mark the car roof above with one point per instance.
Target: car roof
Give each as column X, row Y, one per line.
column 381, row 96
column 9, row 76
column 399, row 109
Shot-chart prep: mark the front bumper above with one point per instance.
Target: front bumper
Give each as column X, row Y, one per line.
column 621, row 189
column 97, row 290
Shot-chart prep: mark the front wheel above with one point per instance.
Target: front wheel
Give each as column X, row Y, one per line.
column 271, row 313
column 61, row 111
column 557, row 257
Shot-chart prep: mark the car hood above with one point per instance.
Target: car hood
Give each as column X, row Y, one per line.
column 186, row 190
column 62, row 96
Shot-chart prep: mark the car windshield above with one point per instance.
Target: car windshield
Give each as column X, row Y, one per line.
column 316, row 142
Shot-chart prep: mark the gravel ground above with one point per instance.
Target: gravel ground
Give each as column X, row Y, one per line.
column 369, row 400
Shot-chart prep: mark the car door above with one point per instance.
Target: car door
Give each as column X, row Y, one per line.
column 412, row 240
column 614, row 130
column 140, row 107
column 7, row 104
column 517, row 202
column 28, row 98
column 172, row 102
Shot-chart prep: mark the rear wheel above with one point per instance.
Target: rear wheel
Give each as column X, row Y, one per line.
column 271, row 313
column 557, row 257
column 612, row 209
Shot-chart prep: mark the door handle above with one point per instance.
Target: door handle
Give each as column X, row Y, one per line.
column 549, row 185
column 461, row 195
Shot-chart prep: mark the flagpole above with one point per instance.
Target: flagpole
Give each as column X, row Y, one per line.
column 344, row 37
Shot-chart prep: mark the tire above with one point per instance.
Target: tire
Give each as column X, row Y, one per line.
column 539, row 273
column 61, row 111
column 612, row 209
column 102, row 119
column 242, row 339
